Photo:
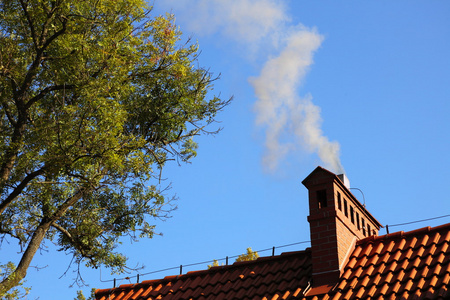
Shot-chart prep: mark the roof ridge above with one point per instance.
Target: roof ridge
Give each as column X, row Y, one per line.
column 239, row 264
column 403, row 234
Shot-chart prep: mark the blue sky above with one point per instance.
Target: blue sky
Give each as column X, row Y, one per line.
column 362, row 85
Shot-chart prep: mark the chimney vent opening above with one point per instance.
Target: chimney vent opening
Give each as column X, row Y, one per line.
column 321, row 198
column 345, row 208
column 363, row 222
column 339, row 200
column 357, row 221
column 352, row 215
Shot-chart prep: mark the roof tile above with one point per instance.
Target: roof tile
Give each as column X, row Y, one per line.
column 342, row 284
column 377, row 279
column 365, row 272
column 347, row 273
column 367, row 250
column 404, row 295
column 408, row 285
column 397, row 254
column 399, row 276
column 348, row 294
column 337, row 296
column 424, row 240
column 360, row 293
column 384, row 288
column 407, row 254
column 372, row 291
column 380, row 268
column 394, row 288
column 393, row 265
column 365, row 281
column 376, row 250
column 442, row 247
column 424, row 271
column 431, row 250
column 357, row 251
column 352, row 262
column 400, row 241
column 373, row 260
column 436, row 237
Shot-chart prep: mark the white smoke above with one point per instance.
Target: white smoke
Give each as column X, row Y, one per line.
column 279, row 108
column 288, row 119
column 245, row 21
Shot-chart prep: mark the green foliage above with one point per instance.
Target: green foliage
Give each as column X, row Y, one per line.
column 18, row 292
column 95, row 98
column 80, row 295
column 214, row 264
column 250, row 255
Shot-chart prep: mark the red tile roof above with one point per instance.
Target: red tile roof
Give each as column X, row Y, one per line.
column 284, row 276
column 411, row 265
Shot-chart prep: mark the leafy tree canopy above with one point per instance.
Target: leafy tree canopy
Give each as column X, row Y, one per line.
column 95, row 98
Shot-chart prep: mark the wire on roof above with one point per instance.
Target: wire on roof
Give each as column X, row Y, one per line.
column 413, row 222
column 364, row 198
column 195, row 264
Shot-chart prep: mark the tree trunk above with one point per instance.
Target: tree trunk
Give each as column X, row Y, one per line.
column 21, row 271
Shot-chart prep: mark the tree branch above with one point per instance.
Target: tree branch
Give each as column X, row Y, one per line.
column 30, row 24
column 16, row 192
column 63, row 231
column 8, row 113
column 39, row 54
column 46, row 91
column 50, row 15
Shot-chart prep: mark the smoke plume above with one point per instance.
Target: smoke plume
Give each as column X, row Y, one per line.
column 289, row 120
column 283, row 112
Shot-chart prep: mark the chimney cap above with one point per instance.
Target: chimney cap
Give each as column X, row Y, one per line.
column 344, row 180
column 307, row 181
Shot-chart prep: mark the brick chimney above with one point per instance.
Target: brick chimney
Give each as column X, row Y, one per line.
column 337, row 220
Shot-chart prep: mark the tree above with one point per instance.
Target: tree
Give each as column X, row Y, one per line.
column 95, row 98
